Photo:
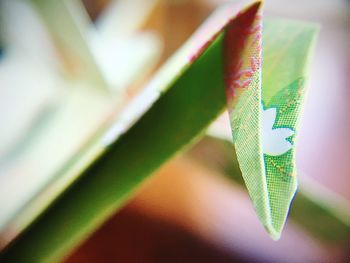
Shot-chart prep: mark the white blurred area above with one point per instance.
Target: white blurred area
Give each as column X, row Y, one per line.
column 59, row 88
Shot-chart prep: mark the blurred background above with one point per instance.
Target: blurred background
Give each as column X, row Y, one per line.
column 195, row 209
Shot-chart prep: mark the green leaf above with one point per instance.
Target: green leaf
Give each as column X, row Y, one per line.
column 175, row 121
column 265, row 108
column 191, row 99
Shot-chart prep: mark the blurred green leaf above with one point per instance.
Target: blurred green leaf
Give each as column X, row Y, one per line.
column 175, row 121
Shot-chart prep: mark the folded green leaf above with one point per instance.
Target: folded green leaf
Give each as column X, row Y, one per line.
column 263, row 96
